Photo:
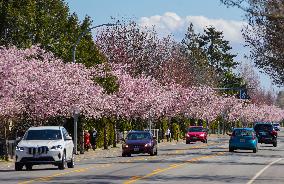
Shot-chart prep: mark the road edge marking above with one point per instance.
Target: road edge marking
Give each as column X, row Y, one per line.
column 262, row 170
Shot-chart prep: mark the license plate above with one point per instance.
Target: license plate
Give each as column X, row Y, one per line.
column 136, row 149
column 194, row 137
column 36, row 156
column 242, row 140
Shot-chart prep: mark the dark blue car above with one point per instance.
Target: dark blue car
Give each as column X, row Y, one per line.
column 243, row 139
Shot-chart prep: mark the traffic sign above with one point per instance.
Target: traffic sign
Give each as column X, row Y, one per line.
column 244, row 94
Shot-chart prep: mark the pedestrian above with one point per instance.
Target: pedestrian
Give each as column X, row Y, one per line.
column 87, row 143
column 94, row 138
column 168, row 134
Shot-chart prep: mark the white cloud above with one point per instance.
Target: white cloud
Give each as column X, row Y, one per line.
column 171, row 23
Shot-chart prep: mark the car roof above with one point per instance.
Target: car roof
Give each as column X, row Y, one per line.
column 243, row 129
column 45, row 128
column 139, row 131
column 258, row 123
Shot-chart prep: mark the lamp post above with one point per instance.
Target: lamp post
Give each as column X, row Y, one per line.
column 83, row 34
column 75, row 117
column 76, row 114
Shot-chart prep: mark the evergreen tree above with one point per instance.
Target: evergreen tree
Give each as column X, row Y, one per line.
column 210, row 55
column 49, row 24
column 218, row 55
column 196, row 57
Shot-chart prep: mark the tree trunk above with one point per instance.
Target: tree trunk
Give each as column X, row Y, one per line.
column 114, row 140
column 6, row 154
column 105, row 134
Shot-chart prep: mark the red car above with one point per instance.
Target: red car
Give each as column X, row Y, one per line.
column 139, row 142
column 196, row 133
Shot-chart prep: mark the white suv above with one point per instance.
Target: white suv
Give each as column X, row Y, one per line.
column 45, row 145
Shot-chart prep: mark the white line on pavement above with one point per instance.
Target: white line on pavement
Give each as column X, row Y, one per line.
column 262, row 170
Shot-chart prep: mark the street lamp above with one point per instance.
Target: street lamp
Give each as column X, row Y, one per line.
column 77, row 113
column 83, row 34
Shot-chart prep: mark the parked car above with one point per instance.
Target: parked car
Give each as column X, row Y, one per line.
column 243, row 139
column 276, row 126
column 196, row 133
column 45, row 145
column 266, row 133
column 139, row 142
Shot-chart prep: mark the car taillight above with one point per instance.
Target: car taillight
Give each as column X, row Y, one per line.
column 187, row 135
column 233, row 135
column 253, row 137
column 273, row 132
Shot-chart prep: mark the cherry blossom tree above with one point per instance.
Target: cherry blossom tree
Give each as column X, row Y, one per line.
column 35, row 83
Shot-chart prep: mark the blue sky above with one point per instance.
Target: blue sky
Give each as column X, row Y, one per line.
column 102, row 10
column 171, row 17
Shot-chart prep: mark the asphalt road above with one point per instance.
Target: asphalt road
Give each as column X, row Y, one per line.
column 175, row 163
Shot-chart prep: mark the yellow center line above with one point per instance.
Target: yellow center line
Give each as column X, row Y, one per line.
column 134, row 178
column 172, row 166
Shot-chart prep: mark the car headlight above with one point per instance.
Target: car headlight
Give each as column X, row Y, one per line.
column 19, row 148
column 148, row 145
column 202, row 135
column 125, row 146
column 56, row 147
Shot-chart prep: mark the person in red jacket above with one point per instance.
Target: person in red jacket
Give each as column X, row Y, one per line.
column 87, row 142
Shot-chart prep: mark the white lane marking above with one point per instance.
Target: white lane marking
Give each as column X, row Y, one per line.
column 262, row 170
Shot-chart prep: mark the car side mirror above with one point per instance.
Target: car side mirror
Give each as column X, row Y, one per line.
column 68, row 138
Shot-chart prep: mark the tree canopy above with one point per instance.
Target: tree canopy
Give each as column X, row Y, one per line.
column 48, row 23
column 265, row 34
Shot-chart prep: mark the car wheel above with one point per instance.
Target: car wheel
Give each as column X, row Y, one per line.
column 205, row 141
column 123, row 155
column 254, row 150
column 156, row 152
column 18, row 166
column 152, row 153
column 129, row 154
column 29, row 167
column 62, row 164
column 71, row 164
column 275, row 144
column 231, row 149
column 187, row 142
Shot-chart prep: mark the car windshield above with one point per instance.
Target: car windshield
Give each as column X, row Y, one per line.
column 242, row 132
column 43, row 135
column 138, row 136
column 195, row 129
column 263, row 127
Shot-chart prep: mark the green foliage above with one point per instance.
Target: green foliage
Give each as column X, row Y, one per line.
column 196, row 57
column 210, row 54
column 49, row 24
column 217, row 50
column 175, row 131
column 109, row 83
